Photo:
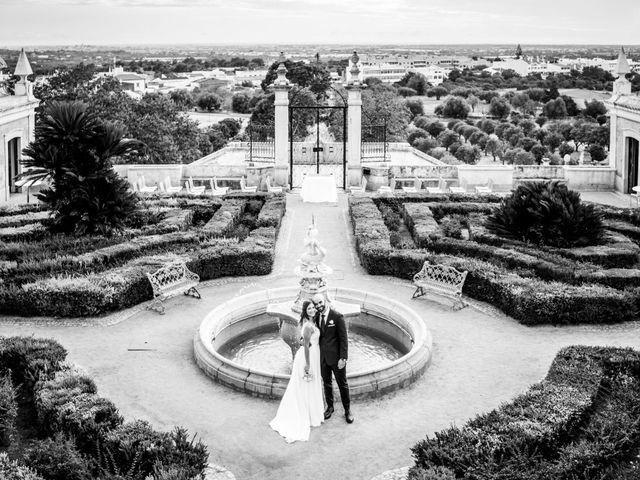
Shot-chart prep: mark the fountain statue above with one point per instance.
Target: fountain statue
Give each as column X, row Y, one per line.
column 312, row 270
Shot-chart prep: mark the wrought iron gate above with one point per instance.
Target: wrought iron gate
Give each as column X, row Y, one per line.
column 261, row 142
column 317, row 141
column 374, row 147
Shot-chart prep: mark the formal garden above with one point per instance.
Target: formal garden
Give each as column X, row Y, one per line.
column 540, row 255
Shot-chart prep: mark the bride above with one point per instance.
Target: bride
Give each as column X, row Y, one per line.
column 301, row 406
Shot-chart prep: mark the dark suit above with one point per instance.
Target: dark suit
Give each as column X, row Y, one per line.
column 334, row 346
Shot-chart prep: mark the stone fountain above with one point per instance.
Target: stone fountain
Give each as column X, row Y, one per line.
column 381, row 320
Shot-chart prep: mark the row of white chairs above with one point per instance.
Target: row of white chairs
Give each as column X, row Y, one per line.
column 441, row 188
column 190, row 188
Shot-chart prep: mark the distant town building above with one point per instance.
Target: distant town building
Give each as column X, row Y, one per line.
column 130, row 81
column 17, row 126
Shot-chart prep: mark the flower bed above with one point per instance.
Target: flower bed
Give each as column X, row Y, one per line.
column 81, row 434
column 93, row 281
column 532, row 284
column 581, row 421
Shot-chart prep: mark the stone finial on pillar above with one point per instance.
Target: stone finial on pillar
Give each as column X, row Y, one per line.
column 354, row 122
column 622, row 86
column 281, row 87
column 353, row 78
column 23, row 87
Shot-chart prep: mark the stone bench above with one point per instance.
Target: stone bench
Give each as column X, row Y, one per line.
column 440, row 279
column 170, row 279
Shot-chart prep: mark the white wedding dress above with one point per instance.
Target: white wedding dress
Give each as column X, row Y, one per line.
column 301, row 406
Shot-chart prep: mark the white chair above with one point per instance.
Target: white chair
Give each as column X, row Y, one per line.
column 166, row 186
column 217, row 191
column 359, row 188
column 188, row 185
column 635, row 193
column 245, row 188
column 385, row 189
column 488, row 188
column 441, row 188
column 417, row 185
column 142, row 187
column 270, row 188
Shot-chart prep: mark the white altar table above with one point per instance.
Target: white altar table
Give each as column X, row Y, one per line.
column 319, row 188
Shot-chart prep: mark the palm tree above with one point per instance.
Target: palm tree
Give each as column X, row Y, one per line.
column 73, row 152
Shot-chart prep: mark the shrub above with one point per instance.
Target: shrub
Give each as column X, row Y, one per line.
column 136, row 447
column 12, row 470
column 547, row 213
column 31, row 359
column 57, row 459
column 8, row 409
column 69, row 404
column 452, row 226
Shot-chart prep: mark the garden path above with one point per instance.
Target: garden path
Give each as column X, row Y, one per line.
column 144, row 363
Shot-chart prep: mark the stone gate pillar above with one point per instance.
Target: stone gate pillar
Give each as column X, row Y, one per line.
column 281, row 87
column 354, row 123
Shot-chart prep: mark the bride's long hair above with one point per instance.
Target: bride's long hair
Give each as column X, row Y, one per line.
column 304, row 315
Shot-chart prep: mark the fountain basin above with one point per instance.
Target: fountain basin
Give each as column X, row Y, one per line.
column 385, row 318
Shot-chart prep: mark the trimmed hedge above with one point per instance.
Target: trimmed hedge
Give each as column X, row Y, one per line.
column 68, row 407
column 23, row 219
column 225, row 218
column 521, row 295
column 555, row 430
column 115, row 275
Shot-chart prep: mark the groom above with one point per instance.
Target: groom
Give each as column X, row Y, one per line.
column 333, row 355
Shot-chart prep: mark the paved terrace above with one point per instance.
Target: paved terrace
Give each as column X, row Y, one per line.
column 144, row 363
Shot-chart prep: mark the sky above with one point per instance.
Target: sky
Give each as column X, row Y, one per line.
column 112, row 22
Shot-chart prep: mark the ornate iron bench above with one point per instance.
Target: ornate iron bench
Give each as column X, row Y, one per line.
column 441, row 279
column 169, row 279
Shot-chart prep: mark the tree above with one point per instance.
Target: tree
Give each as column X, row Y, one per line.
column 447, row 138
column 598, row 154
column 494, row 147
column 486, row 125
column 431, row 125
column 555, row 108
column 594, row 109
column 379, row 104
column 518, row 51
column 437, row 92
column 372, row 82
column 468, row 154
column 570, row 105
column 240, row 103
column 473, row 101
column 454, row 75
column 406, row 92
column 539, row 152
column 230, row 127
column 74, row 150
column 553, row 141
column 209, row 101
column 182, row 98
column 314, row 76
column 455, row 107
column 415, row 81
column 499, row 107
column 565, row 149
column 416, row 134
column 415, row 108
column 425, row 144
